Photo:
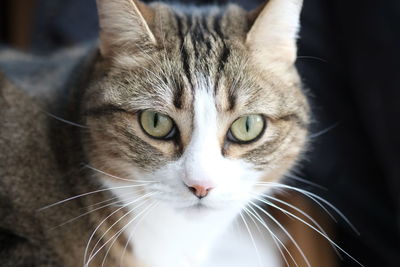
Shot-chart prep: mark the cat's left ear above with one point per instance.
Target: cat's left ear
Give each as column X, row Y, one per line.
column 124, row 24
column 272, row 37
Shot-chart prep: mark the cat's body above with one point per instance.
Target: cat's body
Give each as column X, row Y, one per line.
column 26, row 127
column 174, row 198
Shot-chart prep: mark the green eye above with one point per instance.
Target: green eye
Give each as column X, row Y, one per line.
column 247, row 129
column 156, row 124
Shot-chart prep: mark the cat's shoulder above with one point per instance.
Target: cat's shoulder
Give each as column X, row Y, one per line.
column 30, row 88
column 30, row 177
column 23, row 143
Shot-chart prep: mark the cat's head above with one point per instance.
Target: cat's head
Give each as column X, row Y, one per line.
column 199, row 104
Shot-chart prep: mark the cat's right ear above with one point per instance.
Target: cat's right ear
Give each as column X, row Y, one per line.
column 124, row 24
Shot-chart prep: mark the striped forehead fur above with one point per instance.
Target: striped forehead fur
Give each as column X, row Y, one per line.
column 207, row 41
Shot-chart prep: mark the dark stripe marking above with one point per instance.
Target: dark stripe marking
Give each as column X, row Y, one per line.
column 207, row 41
column 185, row 55
column 224, row 54
column 232, row 100
column 178, row 95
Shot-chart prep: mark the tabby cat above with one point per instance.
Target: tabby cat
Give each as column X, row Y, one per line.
column 172, row 133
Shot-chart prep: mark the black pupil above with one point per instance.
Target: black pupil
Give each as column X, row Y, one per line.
column 155, row 121
column 247, row 124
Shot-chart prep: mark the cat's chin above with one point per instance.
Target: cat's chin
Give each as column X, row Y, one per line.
column 198, row 209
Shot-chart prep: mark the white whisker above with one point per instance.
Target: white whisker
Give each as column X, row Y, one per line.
column 300, row 211
column 87, row 194
column 91, row 257
column 276, row 240
column 315, row 197
column 304, row 192
column 95, row 230
column 87, row 213
column 116, row 238
column 115, row 177
column 285, row 231
column 324, row 131
column 108, row 200
column 313, row 57
column 99, row 225
column 255, row 223
column 126, row 214
column 296, row 178
column 66, row 121
column 133, row 232
column 252, row 239
column 319, row 232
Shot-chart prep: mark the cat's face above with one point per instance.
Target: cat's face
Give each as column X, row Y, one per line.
column 199, row 105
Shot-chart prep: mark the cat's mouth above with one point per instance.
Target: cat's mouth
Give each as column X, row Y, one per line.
column 200, row 206
column 197, row 207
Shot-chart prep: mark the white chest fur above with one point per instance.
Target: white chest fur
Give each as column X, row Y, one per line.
column 166, row 238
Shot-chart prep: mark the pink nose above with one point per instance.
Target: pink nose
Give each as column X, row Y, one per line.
column 200, row 191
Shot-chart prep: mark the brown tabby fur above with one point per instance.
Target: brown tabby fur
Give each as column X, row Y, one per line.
column 41, row 158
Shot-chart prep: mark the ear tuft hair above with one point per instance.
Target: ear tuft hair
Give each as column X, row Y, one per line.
column 123, row 24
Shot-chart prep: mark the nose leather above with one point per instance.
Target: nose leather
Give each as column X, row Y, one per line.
column 199, row 190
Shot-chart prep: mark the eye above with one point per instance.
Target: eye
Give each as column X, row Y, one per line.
column 247, row 129
column 157, row 125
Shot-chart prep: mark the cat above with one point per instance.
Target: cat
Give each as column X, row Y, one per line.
column 176, row 125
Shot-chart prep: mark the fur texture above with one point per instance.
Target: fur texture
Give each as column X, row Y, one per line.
column 204, row 68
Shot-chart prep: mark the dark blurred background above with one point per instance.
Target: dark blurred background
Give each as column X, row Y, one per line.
column 349, row 58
